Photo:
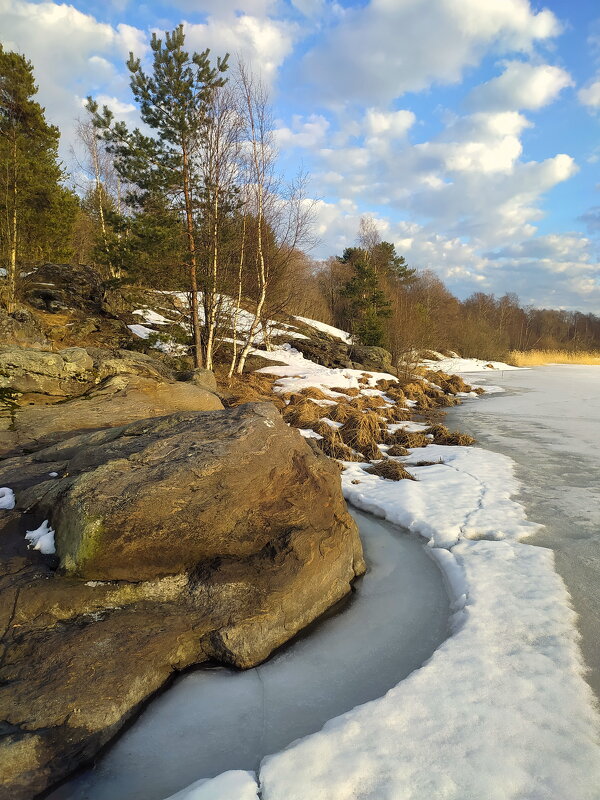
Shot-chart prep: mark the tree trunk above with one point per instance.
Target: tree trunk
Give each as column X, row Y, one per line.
column 11, row 303
column 211, row 307
column 192, row 265
column 238, row 300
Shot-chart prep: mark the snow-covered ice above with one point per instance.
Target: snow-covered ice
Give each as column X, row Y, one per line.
column 7, row 498
column 459, row 365
column 42, row 539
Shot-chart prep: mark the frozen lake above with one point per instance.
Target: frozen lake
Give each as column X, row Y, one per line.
column 214, row 720
column 548, row 421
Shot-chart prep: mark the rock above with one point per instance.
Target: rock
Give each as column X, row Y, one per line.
column 115, row 401
column 377, row 359
column 71, row 371
column 205, row 378
column 21, row 328
column 222, row 534
column 58, row 287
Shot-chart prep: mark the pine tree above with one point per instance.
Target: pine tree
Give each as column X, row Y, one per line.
column 173, row 103
column 37, row 211
column 368, row 303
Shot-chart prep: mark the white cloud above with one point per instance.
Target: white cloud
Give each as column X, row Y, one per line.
column 386, row 48
column 309, row 133
column 390, row 124
column 521, row 85
column 72, row 53
column 590, row 95
column 263, row 43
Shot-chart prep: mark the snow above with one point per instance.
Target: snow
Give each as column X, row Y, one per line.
column 299, row 373
column 7, row 498
column 232, row 785
column 152, row 317
column 42, row 539
column 459, row 365
column 501, row 711
column 322, row 326
column 142, row 332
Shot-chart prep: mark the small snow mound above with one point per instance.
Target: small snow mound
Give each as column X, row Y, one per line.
column 325, row 328
column 227, row 786
column 42, row 539
column 7, row 498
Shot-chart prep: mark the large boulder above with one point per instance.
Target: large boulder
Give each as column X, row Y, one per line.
column 117, row 400
column 180, row 539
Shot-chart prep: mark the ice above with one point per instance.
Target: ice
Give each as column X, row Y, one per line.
column 42, row 539
column 7, row 498
column 459, row 365
column 548, row 421
column 215, row 720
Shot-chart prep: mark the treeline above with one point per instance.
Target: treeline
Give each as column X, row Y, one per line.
column 195, row 202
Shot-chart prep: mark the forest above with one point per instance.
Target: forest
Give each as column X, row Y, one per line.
column 194, row 200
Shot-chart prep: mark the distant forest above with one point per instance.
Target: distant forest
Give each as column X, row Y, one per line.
column 195, row 201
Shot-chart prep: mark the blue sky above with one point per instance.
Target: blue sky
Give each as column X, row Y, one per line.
column 469, row 129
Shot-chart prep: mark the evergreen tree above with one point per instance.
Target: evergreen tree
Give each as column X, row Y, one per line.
column 37, row 211
column 369, row 306
column 173, row 103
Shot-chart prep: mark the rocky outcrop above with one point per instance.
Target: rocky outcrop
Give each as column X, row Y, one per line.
column 335, row 354
column 115, row 401
column 71, row 371
column 189, row 537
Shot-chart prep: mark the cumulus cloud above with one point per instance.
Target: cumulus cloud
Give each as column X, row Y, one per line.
column 308, row 132
column 521, row 86
column 378, row 52
column 262, row 42
column 590, row 95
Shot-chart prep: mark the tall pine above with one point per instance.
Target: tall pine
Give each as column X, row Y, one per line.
column 173, row 104
column 37, row 211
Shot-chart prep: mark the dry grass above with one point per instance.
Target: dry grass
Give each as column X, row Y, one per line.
column 390, row 470
column 332, row 443
column 441, row 435
column 315, row 393
column 534, row 358
column 341, row 412
column 408, row 439
column 363, row 431
column 396, row 413
column 251, row 388
column 303, row 413
column 449, row 383
column 397, row 450
column 349, row 391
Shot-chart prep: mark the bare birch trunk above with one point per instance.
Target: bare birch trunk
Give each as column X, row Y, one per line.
column 192, row 265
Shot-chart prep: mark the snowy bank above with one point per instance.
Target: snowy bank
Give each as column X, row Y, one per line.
column 501, row 711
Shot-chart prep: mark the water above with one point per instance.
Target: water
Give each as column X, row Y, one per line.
column 549, row 423
column 214, row 720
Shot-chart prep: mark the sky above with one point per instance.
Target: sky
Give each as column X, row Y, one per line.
column 468, row 129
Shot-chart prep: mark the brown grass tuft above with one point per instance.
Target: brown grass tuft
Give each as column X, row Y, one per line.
column 251, row 388
column 396, row 413
column 341, row 412
column 363, row 430
column 390, row 470
column 441, row 435
column 303, row 413
column 397, row 450
column 396, row 393
column 384, row 384
column 409, row 439
column 351, row 392
column 332, row 443
column 315, row 393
